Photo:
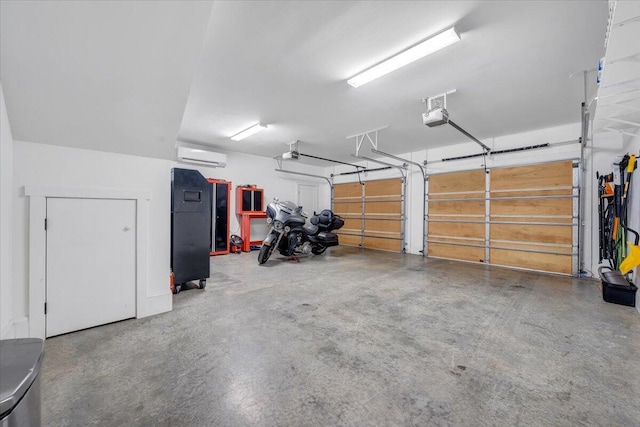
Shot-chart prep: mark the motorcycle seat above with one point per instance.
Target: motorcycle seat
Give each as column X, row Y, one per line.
column 311, row 229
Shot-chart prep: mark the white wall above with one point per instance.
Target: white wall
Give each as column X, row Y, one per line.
column 55, row 166
column 243, row 169
column 6, row 224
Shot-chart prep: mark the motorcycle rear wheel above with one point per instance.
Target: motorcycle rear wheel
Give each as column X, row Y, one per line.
column 318, row 250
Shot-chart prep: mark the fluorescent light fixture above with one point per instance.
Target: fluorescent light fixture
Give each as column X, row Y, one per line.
column 427, row 47
column 258, row 127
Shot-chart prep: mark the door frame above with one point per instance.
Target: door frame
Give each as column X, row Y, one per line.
column 38, row 244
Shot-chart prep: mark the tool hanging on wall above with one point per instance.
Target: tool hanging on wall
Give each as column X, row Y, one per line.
column 605, row 214
column 621, row 255
column 631, row 252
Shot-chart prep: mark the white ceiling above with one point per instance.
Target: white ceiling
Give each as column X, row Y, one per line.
column 109, row 76
column 115, row 76
column 285, row 64
column 618, row 105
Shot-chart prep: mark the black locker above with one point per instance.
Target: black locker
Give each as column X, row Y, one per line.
column 190, row 225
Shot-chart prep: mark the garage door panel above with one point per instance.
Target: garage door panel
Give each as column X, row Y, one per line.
column 473, row 195
column 549, row 198
column 379, row 202
column 529, row 207
column 342, row 208
column 540, row 196
column 557, row 174
column 531, row 260
column 532, row 233
column 447, row 239
column 352, row 224
column 381, row 243
column 383, row 207
column 459, row 208
column 465, row 253
column 457, row 229
column 457, row 182
column 349, row 240
column 383, row 188
column 383, row 225
column 533, row 247
column 537, row 193
column 352, row 189
column 564, row 219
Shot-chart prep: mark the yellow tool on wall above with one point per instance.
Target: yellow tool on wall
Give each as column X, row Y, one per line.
column 633, row 256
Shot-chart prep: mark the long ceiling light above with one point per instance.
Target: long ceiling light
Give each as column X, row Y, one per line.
column 258, row 127
column 427, row 47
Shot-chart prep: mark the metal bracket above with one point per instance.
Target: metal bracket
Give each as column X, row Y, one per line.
column 400, row 168
column 619, row 131
column 360, row 137
column 626, row 122
column 278, row 159
column 306, row 174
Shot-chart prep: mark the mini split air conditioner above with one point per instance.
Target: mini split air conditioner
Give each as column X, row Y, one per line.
column 202, row 157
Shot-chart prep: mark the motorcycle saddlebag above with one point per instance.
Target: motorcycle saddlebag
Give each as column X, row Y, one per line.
column 337, row 223
column 328, row 239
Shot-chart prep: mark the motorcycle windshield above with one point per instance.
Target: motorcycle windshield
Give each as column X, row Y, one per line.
column 290, row 206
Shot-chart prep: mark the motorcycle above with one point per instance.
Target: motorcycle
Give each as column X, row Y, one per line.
column 289, row 234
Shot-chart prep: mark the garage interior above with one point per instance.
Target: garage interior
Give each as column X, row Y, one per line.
column 481, row 155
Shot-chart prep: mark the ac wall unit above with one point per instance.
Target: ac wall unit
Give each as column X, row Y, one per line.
column 202, row 157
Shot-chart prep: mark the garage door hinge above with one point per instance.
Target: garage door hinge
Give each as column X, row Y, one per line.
column 45, row 308
column 45, row 223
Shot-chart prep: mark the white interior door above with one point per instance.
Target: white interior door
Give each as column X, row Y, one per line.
column 308, row 198
column 91, row 263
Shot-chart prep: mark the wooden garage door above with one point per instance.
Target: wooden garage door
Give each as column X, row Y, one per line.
column 457, row 215
column 347, row 202
column 372, row 212
column 532, row 217
column 521, row 216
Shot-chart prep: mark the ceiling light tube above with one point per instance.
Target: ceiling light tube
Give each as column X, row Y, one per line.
column 258, row 127
column 427, row 47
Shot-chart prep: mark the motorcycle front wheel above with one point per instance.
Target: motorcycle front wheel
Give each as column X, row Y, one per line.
column 265, row 253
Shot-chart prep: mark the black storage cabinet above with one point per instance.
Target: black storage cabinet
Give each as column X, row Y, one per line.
column 190, row 227
column 221, row 192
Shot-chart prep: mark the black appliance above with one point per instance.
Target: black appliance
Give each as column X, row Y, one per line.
column 190, row 227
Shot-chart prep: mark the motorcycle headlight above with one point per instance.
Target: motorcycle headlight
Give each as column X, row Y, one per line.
column 287, row 229
column 278, row 225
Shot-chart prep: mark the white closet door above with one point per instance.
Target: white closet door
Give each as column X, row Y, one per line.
column 91, row 263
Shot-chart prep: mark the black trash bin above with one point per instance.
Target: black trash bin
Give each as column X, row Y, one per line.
column 20, row 363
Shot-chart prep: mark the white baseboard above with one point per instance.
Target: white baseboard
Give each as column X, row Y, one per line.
column 8, row 332
column 21, row 327
column 18, row 328
column 159, row 304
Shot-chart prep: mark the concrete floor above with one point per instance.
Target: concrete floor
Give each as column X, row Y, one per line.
column 356, row 337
